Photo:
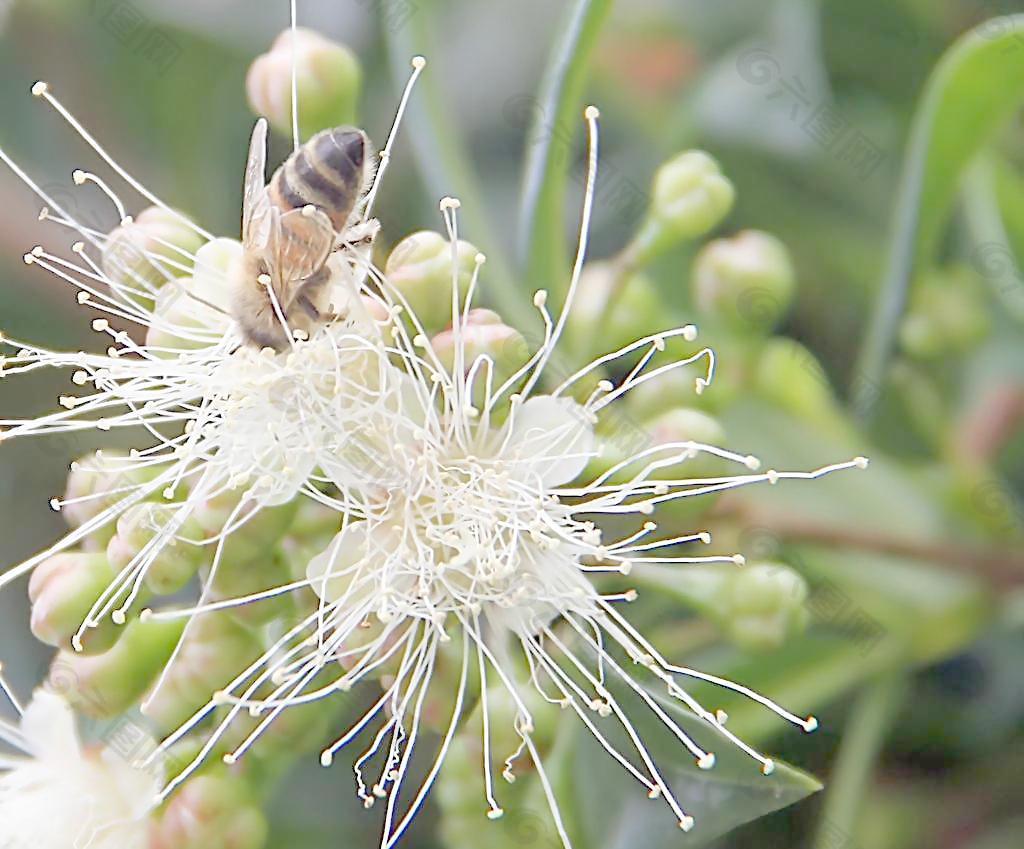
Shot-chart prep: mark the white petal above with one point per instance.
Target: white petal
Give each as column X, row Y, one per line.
column 554, row 436
column 344, row 552
column 49, row 728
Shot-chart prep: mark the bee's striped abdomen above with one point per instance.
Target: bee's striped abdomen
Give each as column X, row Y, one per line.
column 327, row 172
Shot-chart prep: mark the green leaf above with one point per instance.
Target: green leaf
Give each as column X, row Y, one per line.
column 613, row 811
column 974, row 88
column 556, row 116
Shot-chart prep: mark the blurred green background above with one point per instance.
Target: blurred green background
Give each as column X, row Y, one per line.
column 842, row 140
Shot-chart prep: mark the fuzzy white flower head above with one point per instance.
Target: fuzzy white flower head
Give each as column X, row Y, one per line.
column 472, row 523
column 224, row 417
column 57, row 794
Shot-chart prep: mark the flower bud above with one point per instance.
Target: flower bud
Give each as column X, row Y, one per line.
column 946, row 316
column 609, row 311
column 762, row 606
column 329, row 80
column 746, row 282
column 252, row 541
column 690, row 198
column 791, row 376
column 483, row 335
column 211, row 810
column 93, row 485
column 420, row 268
column 153, row 248
column 177, row 561
column 108, row 684
column 62, row 590
column 216, row 647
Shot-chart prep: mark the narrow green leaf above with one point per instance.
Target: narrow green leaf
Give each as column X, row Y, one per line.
column 444, row 162
column 974, row 88
column 556, row 115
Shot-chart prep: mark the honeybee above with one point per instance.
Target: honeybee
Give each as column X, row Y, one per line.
column 311, row 208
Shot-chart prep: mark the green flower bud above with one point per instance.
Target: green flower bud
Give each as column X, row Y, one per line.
column 690, row 198
column 420, row 268
column 62, row 590
column 484, row 335
column 154, row 247
column 216, row 647
column 176, row 563
column 329, row 80
column 609, row 312
column 791, row 376
column 211, row 810
column 762, row 606
column 255, row 539
column 746, row 282
column 946, row 315
column 108, row 684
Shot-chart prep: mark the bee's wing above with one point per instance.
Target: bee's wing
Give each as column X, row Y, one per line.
column 306, row 241
column 256, row 216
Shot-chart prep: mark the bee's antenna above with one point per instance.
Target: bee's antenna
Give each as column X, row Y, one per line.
column 295, row 74
column 418, row 64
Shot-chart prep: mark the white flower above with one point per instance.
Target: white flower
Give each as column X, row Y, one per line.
column 57, row 794
column 475, row 524
column 220, row 418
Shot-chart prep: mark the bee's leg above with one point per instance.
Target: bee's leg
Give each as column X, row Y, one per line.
column 308, row 307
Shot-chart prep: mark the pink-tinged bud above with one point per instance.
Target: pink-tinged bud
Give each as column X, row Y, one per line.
column 328, row 76
column 420, row 267
column 98, row 481
column 148, row 251
column 62, row 590
column 108, row 684
column 483, row 335
column 215, row 810
column 746, row 282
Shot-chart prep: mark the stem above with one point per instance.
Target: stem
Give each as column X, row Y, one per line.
column 556, row 117
column 443, row 161
column 862, row 742
column 1002, row 568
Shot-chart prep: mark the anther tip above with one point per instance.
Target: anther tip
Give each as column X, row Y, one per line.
column 690, row 332
column 119, row 617
column 752, row 463
column 495, row 814
column 739, row 559
column 78, row 175
column 706, row 761
column 686, row 823
column 40, row 88
column 419, row 62
column 768, row 767
column 592, row 113
column 861, row 462
column 810, row 724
